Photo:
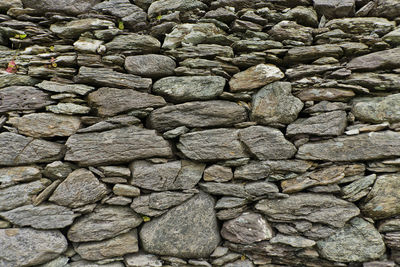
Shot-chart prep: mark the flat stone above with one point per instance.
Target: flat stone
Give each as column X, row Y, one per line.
column 389, row 225
column 145, row 143
column 255, row 45
column 217, row 173
column 46, row 125
column 225, row 189
column 375, row 145
column 13, row 79
column 68, row 109
column 172, row 175
column 135, row 43
column 208, row 51
column 103, row 223
column 293, row 241
column 246, row 229
column 57, row 87
column 75, row 28
column 290, row 30
column 358, row 189
column 377, row 110
column 230, row 202
column 374, row 81
column 378, row 60
column 363, row 26
column 112, row 101
column 13, row 175
column 29, row 246
column 335, row 9
column 316, row 208
column 187, row 231
column 5, row 5
column 20, row 98
column 325, row 124
column 115, row 171
column 393, row 37
column 325, row 94
column 274, row 103
column 340, row 246
column 214, row 113
column 84, row 263
column 115, row 247
column 255, row 77
column 189, row 88
column 326, row 106
column 87, row 45
column 47, row 216
column 126, row 190
column 163, row 6
column 310, row 53
column 255, row 170
column 263, row 189
column 142, row 259
column 386, row 8
column 150, row 66
column 80, row 188
column 107, row 77
column 309, row 70
column 18, row 149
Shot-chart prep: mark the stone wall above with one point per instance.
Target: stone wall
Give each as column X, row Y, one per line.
column 232, row 133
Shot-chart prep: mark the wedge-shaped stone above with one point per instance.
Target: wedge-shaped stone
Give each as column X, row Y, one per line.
column 116, row 146
column 111, row 101
column 375, row 145
column 187, row 231
column 108, row 77
column 30, row 247
column 80, row 188
column 46, row 124
column 386, row 8
column 114, row 247
column 359, row 188
column 214, row 113
column 17, row 149
column 362, row 25
column 73, row 29
column 46, row 216
column 379, row 109
column 103, row 223
column 173, row 175
column 316, row 208
column 80, row 89
column 340, row 246
column 189, row 88
column 324, row 124
column 386, row 59
column 310, row 53
column 19, row 98
column 135, row 43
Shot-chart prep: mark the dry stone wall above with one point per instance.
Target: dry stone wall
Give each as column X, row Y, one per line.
column 233, row 133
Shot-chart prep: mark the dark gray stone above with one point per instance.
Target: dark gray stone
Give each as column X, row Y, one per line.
column 386, row 59
column 73, row 7
column 310, row 53
column 19, row 98
column 151, row 66
column 135, row 43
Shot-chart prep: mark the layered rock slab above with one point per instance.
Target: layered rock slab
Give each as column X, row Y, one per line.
column 386, row 59
column 19, row 98
column 378, row 110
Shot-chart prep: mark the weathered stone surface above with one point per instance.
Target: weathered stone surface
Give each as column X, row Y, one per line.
column 29, row 247
column 340, row 246
column 325, row 124
column 126, row 190
column 316, row 208
column 293, row 241
column 117, row 146
column 108, row 77
column 230, row 202
column 376, row 145
column 224, row 189
column 322, row 94
column 377, row 109
column 375, row 81
column 201, row 51
column 274, row 103
column 5, row 5
column 187, row 231
column 358, row 189
column 214, row 113
column 56, row 87
column 103, row 223
column 151, row 66
column 19, row 98
column 11, row 79
column 266, row 143
column 393, row 37
column 47, row 216
column 255, row 45
column 135, row 43
column 163, row 6
column 142, row 259
column 189, row 88
column 68, row 109
column 386, row 59
column 246, row 229
column 389, row 225
column 217, row 173
column 75, row 28
column 80, row 188
column 309, row 70
column 46, row 125
column 114, row 247
column 112, row 101
column 365, row 26
column 386, row 8
column 255, row 77
column 172, row 175
column 335, row 9
column 73, row 7
column 290, row 30
column 309, row 53
column 13, row 175
column 18, row 149
column 57, row 170
column 383, row 200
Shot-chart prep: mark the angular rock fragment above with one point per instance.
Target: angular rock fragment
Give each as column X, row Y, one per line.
column 365, row 26
column 19, row 98
column 309, row 53
column 323, row 94
column 142, row 259
column 386, row 59
column 290, row 30
column 134, row 43
column 68, row 109
column 358, row 189
column 75, row 28
column 377, row 110
column 13, row 175
column 374, row 81
column 335, row 8
column 150, row 66
column 386, row 8
column 163, row 6
column 11, row 79
column 217, row 173
column 293, row 241
column 208, row 51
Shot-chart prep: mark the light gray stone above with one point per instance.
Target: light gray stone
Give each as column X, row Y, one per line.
column 75, row 28
column 151, row 66
column 201, row 51
column 13, row 175
column 293, row 241
column 142, row 259
column 225, row 189
column 363, row 26
column 377, row 110
column 374, row 81
column 378, row 60
column 135, row 43
column 217, row 173
column 57, row 170
column 57, row 87
column 386, row 8
column 126, row 190
column 68, row 109
column 163, row 6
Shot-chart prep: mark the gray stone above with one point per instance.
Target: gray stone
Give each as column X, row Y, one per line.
column 114, row 247
column 290, row 30
column 255, row 77
column 13, row 175
column 151, row 66
column 293, row 241
column 309, row 70
column 80, row 188
column 7, row 4
column 240, row 263
column 142, row 259
column 335, row 9
column 171, row 134
column 29, row 247
column 103, row 223
column 135, row 43
column 246, row 229
column 45, row 194
column 75, row 28
column 47, row 216
column 189, row 88
column 374, row 81
column 217, row 173
column 187, row 231
column 201, row 51
column 46, row 125
column 214, row 113
column 303, row 15
column 389, row 225
column 340, row 246
column 325, row 124
column 230, row 202
column 163, row 6
column 326, row 106
column 378, row 60
column 84, row 263
column 18, row 149
column 386, row 8
column 112, row 101
column 375, row 145
column 145, row 143
column 364, row 26
column 316, row 208
column 274, row 103
column 172, row 175
column 126, row 190
column 255, row 45
column 68, row 109
column 393, row 37
column 325, row 94
column 255, row 170
column 359, row 188
column 118, row 171
column 12, row 79
column 61, row 261
column 56, row 87
column 225, row 189
column 19, row 98
column 310, row 53
column 57, row 170
column 262, row 189
column 73, row 7
column 377, row 110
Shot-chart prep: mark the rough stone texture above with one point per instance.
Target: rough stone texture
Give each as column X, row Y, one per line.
column 135, row 43
column 290, row 30
column 56, row 87
column 310, row 53
column 163, row 6
column 20, row 98
column 374, row 81
column 335, row 8
column 378, row 60
column 181, row 89
column 189, row 230
column 141, row 259
column 362, row 25
column 214, row 113
column 73, row 7
column 29, row 247
column 151, row 66
column 145, row 143
column 378, row 109
column 340, row 246
column 13, row 175
column 73, row 29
